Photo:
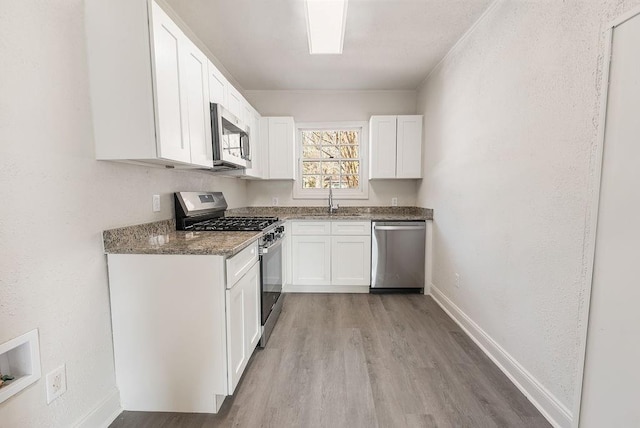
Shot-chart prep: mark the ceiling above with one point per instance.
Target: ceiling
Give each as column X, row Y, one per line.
column 388, row 44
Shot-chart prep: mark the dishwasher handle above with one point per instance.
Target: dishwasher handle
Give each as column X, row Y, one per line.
column 399, row 228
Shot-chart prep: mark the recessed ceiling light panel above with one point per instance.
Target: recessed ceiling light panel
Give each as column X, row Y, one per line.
column 326, row 20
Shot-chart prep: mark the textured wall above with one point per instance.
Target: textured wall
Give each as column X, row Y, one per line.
column 55, row 201
column 511, row 119
column 333, row 106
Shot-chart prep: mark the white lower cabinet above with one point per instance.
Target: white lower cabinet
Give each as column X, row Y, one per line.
column 182, row 333
column 311, row 262
column 351, row 260
column 330, row 256
column 243, row 323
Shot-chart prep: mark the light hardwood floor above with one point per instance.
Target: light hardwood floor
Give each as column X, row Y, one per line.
column 364, row 360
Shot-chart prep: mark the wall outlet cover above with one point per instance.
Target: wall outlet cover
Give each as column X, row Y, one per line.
column 156, row 203
column 56, row 383
column 457, row 280
column 274, row 201
column 394, row 202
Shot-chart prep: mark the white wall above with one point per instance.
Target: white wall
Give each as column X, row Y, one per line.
column 511, row 120
column 332, row 106
column 55, row 202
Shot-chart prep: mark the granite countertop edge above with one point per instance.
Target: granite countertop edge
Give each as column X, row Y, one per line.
column 161, row 237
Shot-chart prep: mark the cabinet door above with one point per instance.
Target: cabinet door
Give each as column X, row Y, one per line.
column 243, row 323
column 217, row 86
column 236, row 342
column 235, row 102
column 171, row 100
column 252, row 321
column 351, row 260
column 311, row 260
column 409, row 151
column 196, row 86
column 382, row 148
column 281, row 142
column 255, row 143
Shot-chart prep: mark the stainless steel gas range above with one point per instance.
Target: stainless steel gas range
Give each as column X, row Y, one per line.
column 205, row 211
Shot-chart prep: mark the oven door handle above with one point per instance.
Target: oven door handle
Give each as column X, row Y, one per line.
column 276, row 244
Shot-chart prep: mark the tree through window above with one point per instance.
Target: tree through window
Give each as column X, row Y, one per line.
column 331, row 156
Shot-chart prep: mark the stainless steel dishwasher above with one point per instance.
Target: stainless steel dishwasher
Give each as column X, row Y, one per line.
column 397, row 255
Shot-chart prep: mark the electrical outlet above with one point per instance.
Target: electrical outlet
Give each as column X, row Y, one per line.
column 274, row 201
column 457, row 280
column 156, row 203
column 394, row 202
column 56, row 383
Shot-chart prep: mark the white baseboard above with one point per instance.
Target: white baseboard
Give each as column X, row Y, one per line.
column 551, row 408
column 103, row 414
column 325, row 289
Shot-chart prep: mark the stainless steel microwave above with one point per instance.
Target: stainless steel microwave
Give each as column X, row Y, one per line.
column 231, row 142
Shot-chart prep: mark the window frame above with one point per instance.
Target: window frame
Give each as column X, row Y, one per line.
column 363, row 148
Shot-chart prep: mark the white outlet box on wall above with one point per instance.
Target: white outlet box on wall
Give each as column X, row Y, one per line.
column 56, row 383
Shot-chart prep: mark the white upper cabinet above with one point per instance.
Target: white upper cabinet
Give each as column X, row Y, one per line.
column 171, row 98
column 382, row 133
column 199, row 113
column 235, row 105
column 278, row 136
column 395, row 147
column 149, row 86
column 256, row 170
column 218, row 86
column 409, row 147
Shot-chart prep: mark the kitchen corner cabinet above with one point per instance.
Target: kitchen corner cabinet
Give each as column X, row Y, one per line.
column 330, row 256
column 278, row 142
column 184, row 327
column 395, row 147
column 149, row 86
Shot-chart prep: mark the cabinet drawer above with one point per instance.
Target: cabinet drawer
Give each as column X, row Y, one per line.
column 311, row 228
column 351, row 228
column 239, row 264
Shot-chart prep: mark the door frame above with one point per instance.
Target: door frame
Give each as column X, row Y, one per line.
column 596, row 165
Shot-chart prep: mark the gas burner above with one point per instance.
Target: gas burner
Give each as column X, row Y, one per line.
column 234, row 224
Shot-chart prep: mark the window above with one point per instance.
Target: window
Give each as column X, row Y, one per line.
column 331, row 154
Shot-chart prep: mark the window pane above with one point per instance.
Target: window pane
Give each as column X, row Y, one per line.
column 349, row 152
column 330, row 152
column 348, row 137
column 330, row 137
column 311, row 182
column 331, row 167
column 311, row 152
column 311, row 137
column 311, row 167
column 335, row 181
column 351, row 181
column 350, row 167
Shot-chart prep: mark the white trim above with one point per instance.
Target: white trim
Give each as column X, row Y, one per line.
column 338, row 194
column 103, row 414
column 325, row 289
column 589, row 250
column 589, row 246
column 624, row 18
column 551, row 408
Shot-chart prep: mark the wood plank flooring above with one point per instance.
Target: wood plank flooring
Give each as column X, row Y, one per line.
column 363, row 360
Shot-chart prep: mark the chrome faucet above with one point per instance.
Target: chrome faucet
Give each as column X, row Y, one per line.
column 332, row 207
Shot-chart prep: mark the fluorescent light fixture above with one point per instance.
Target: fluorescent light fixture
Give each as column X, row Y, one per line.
column 326, row 20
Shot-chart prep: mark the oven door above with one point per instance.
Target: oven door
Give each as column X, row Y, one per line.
column 271, row 278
